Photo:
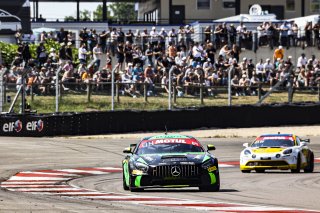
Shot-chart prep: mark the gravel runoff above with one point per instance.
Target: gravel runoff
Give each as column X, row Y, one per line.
column 303, row 131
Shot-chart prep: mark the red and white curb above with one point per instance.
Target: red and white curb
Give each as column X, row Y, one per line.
column 55, row 183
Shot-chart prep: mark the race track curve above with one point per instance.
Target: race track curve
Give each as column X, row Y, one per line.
column 34, row 171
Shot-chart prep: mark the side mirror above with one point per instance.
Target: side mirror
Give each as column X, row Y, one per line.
column 246, row 145
column 127, row 150
column 133, row 145
column 306, row 140
column 211, row 147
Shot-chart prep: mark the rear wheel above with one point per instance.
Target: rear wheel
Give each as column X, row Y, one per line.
column 297, row 170
column 260, row 170
column 310, row 166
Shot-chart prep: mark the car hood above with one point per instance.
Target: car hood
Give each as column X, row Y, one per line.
column 267, row 150
column 168, row 158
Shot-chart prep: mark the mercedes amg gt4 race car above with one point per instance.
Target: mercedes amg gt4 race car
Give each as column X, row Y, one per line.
column 170, row 161
column 277, row 151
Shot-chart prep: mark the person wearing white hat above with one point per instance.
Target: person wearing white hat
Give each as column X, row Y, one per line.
column 278, row 53
column 154, row 37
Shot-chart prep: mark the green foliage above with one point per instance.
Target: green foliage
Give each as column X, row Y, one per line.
column 69, row 18
column 97, row 14
column 85, row 15
column 123, row 11
column 9, row 51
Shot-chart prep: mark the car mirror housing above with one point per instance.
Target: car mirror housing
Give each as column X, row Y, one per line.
column 306, row 140
column 246, row 145
column 127, row 150
column 303, row 143
column 211, row 147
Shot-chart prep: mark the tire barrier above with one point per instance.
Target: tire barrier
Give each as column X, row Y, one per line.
column 94, row 123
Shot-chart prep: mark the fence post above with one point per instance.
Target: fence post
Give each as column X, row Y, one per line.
column 117, row 92
column 31, row 93
column 201, row 93
column 290, row 90
column 319, row 91
column 145, row 92
column 2, row 90
column 60, row 91
column 174, row 94
column 89, row 88
column 259, row 91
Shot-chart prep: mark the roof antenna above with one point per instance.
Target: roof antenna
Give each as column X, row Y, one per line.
column 165, row 126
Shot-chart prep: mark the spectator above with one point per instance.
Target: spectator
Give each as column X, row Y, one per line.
column 53, row 55
column 62, row 54
column 97, row 55
column 18, row 36
column 154, row 36
column 82, row 53
column 62, row 36
column 284, row 28
column 103, row 40
column 69, row 53
column 129, row 36
column 302, row 61
column 278, row 53
column 172, row 36
column 41, row 54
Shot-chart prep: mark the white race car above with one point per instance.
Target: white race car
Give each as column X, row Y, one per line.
column 277, row 151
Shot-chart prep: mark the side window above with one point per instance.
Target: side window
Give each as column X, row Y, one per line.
column 297, row 141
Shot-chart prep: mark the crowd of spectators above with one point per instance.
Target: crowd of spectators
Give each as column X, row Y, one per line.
column 146, row 58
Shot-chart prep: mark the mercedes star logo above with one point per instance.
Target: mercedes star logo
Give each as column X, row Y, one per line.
column 175, row 171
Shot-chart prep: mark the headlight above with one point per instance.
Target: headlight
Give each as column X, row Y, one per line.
column 287, row 151
column 247, row 152
column 141, row 166
column 207, row 163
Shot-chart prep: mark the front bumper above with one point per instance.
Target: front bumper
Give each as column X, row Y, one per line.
column 265, row 161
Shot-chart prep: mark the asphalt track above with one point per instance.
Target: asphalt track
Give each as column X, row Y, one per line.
column 82, row 175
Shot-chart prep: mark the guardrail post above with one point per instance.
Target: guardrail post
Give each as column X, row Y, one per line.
column 145, row 92
column 117, row 92
column 201, row 94
column 89, row 88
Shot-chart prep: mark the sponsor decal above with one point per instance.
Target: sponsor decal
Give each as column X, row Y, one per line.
column 137, row 172
column 35, row 126
column 12, row 126
column 212, row 168
column 169, row 141
column 275, row 138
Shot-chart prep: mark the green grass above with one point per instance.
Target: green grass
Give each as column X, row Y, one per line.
column 77, row 102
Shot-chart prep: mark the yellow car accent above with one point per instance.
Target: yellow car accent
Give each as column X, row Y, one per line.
column 267, row 150
column 212, row 168
column 137, row 172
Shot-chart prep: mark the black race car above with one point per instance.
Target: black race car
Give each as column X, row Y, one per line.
column 170, row 161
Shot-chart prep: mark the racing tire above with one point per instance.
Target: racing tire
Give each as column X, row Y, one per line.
column 260, row 170
column 125, row 187
column 310, row 167
column 297, row 170
column 132, row 188
column 211, row 188
column 245, row 171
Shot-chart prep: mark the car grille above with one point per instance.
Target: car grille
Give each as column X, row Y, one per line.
column 267, row 163
column 173, row 170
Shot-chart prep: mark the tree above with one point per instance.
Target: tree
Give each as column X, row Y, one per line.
column 123, row 11
column 69, row 18
column 85, row 15
column 97, row 14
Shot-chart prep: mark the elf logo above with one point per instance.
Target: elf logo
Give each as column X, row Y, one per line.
column 35, row 125
column 12, row 126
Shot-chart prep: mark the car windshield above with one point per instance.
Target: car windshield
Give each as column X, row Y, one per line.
column 273, row 142
column 169, row 146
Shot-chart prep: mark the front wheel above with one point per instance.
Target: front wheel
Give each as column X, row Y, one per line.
column 297, row 169
column 260, row 170
column 310, row 167
column 125, row 187
column 245, row 171
column 211, row 188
